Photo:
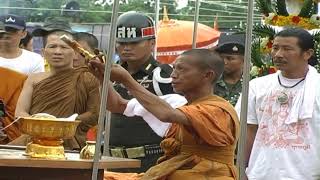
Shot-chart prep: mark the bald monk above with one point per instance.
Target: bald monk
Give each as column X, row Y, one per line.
column 201, row 139
column 63, row 91
column 11, row 83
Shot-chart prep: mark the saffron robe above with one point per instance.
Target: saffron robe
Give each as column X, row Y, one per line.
column 11, row 83
column 204, row 150
column 66, row 93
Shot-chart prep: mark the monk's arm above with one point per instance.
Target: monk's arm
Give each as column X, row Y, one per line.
column 24, row 101
column 116, row 104
column 152, row 103
column 251, row 135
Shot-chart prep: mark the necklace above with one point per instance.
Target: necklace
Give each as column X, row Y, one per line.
column 292, row 85
column 283, row 97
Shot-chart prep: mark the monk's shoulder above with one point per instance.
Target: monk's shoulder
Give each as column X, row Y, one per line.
column 90, row 78
column 37, row 77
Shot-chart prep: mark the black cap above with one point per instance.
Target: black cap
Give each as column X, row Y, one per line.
column 231, row 44
column 13, row 21
column 134, row 26
column 51, row 25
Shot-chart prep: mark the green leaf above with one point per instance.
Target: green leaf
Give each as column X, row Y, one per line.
column 264, row 6
column 256, row 54
column 282, row 8
column 307, row 9
column 264, row 31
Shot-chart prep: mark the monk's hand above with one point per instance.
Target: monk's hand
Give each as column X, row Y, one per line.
column 96, row 67
column 119, row 74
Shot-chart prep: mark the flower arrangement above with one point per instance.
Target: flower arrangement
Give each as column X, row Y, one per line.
column 292, row 20
column 281, row 13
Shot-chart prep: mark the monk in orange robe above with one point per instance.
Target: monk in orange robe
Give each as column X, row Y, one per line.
column 201, row 141
column 63, row 91
column 11, row 83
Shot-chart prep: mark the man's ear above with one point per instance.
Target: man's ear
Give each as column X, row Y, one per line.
column 210, row 74
column 152, row 43
column 308, row 54
column 24, row 34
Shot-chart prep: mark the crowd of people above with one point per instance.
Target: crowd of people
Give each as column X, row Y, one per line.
column 180, row 120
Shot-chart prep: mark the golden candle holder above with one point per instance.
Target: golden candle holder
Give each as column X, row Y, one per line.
column 47, row 136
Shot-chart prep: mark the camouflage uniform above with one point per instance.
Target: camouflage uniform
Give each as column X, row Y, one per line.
column 229, row 92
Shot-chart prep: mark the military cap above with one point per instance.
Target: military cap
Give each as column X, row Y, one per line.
column 231, row 44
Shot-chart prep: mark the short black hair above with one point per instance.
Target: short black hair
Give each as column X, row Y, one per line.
column 90, row 39
column 24, row 42
column 208, row 59
column 56, row 32
column 305, row 39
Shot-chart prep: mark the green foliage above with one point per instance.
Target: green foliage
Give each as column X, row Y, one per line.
column 307, row 9
column 255, row 54
column 264, row 6
column 264, row 31
column 229, row 16
column 281, row 8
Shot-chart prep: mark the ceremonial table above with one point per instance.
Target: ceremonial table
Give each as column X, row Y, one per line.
column 15, row 165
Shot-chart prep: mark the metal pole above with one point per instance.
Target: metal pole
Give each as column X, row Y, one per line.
column 107, row 135
column 244, row 99
column 156, row 24
column 103, row 104
column 195, row 26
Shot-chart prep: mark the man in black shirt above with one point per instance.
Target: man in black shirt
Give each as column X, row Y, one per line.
column 129, row 136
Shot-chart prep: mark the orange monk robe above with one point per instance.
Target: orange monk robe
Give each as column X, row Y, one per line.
column 204, row 150
column 11, row 83
column 66, row 93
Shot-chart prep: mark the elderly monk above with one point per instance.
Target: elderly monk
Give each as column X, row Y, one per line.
column 11, row 83
column 63, row 91
column 201, row 139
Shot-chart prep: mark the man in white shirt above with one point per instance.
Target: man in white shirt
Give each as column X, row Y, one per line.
column 283, row 113
column 11, row 55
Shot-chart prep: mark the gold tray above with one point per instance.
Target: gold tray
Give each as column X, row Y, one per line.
column 48, row 128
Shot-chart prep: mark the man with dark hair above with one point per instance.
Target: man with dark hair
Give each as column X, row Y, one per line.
column 27, row 42
column 283, row 113
column 11, row 55
column 50, row 25
column 89, row 42
column 201, row 138
column 231, row 48
column 135, row 43
column 11, row 83
column 63, row 91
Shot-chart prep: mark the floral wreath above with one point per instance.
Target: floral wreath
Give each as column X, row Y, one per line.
column 275, row 13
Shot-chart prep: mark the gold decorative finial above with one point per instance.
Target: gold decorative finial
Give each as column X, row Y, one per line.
column 165, row 14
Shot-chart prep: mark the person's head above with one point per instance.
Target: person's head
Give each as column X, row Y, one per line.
column 87, row 41
column 231, row 49
column 135, row 37
column 291, row 50
column 15, row 30
column 58, row 54
column 27, row 42
column 196, row 69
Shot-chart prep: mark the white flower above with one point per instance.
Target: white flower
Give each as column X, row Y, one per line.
column 315, row 19
column 254, row 71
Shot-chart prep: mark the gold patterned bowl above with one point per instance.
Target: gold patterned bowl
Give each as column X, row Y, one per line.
column 48, row 128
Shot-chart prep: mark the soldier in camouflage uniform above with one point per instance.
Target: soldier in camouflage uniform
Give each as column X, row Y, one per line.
column 131, row 137
column 231, row 48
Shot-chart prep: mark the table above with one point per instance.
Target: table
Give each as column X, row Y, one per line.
column 15, row 165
